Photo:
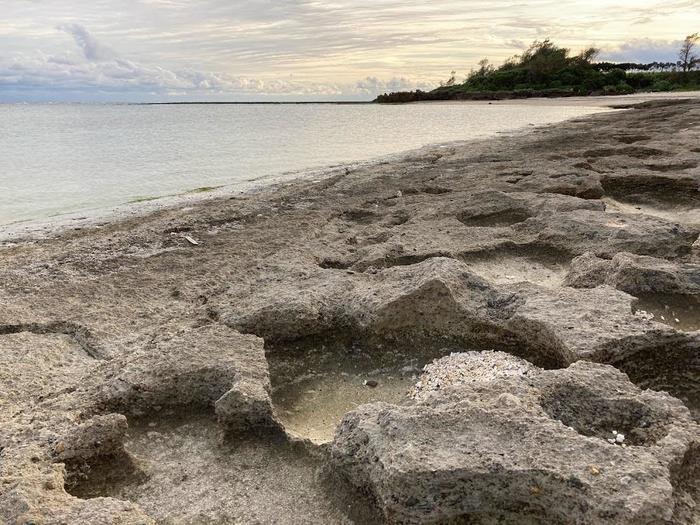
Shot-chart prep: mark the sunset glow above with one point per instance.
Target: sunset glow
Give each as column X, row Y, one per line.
column 296, row 49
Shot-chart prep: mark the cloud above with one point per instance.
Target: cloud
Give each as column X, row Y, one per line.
column 517, row 44
column 92, row 49
column 372, row 86
column 321, row 47
column 643, row 50
column 102, row 70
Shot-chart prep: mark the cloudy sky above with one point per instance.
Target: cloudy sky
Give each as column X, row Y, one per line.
column 138, row 50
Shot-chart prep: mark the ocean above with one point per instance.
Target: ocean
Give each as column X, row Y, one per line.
column 58, row 159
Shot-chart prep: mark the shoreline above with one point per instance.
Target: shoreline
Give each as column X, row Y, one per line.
column 50, row 226
column 609, row 101
column 101, row 216
column 501, row 318
column 98, row 217
column 36, row 229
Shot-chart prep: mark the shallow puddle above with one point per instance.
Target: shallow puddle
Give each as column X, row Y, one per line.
column 315, row 383
column 680, row 312
column 186, row 472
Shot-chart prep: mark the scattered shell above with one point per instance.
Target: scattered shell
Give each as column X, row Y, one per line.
column 191, row 240
column 644, row 315
column 461, row 368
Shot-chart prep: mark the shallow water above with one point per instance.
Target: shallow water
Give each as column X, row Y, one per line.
column 680, row 312
column 315, row 384
column 59, row 159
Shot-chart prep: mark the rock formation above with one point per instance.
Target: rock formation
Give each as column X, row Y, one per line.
column 492, row 439
column 148, row 379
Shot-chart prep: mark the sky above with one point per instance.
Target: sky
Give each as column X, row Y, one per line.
column 252, row 50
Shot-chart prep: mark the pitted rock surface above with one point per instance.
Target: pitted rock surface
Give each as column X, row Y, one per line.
column 635, row 274
column 579, row 241
column 490, row 438
column 62, row 412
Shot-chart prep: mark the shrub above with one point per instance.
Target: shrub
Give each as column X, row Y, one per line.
column 623, row 88
column 545, row 69
column 662, row 85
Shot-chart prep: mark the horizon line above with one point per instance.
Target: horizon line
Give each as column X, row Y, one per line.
column 253, row 102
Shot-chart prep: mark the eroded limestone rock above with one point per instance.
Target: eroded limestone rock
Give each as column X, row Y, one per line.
column 490, row 438
column 58, row 415
column 464, row 246
column 440, row 298
column 199, row 368
column 635, row 274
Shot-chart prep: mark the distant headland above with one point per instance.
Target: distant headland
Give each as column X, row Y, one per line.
column 547, row 70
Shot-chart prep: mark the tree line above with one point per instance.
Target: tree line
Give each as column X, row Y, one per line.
column 545, row 69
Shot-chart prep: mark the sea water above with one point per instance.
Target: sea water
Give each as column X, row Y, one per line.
column 58, row 159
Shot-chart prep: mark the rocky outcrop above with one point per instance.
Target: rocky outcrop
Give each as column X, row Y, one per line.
column 574, row 248
column 205, row 368
column 56, row 415
column 490, row 438
column 635, row 274
column 502, row 209
column 441, row 300
column 607, row 234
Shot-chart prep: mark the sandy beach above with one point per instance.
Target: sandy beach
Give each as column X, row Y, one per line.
column 133, row 348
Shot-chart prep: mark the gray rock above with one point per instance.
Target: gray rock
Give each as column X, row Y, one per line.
column 463, row 246
column 501, row 441
column 635, row 274
column 206, row 369
column 606, row 234
column 440, row 300
column 195, row 368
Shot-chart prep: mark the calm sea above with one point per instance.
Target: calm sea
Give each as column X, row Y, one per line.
column 58, row 159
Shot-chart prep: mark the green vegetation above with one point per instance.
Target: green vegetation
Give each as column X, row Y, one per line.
column 205, row 189
column 546, row 70
column 142, row 199
column 202, row 189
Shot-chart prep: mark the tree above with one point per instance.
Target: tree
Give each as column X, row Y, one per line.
column 687, row 57
column 588, row 55
column 544, row 57
column 484, row 70
column 452, row 80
